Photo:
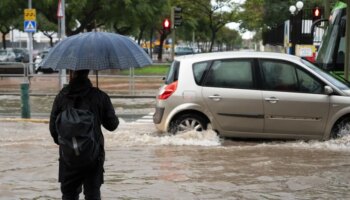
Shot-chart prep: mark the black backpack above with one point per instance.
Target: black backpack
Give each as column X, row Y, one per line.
column 77, row 137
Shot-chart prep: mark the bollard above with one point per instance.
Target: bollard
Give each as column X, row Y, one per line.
column 25, row 107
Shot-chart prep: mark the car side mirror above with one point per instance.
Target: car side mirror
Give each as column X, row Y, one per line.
column 328, row 90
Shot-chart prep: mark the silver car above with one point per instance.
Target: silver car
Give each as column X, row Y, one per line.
column 253, row 95
column 7, row 55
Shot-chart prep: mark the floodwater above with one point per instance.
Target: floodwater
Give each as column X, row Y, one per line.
column 141, row 164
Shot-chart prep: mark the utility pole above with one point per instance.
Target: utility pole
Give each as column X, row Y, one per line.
column 30, row 43
column 62, row 16
column 327, row 8
column 30, row 15
column 172, row 17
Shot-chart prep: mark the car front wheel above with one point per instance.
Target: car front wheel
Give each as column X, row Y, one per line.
column 188, row 122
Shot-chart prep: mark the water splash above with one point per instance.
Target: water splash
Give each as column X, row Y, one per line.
column 339, row 144
column 190, row 138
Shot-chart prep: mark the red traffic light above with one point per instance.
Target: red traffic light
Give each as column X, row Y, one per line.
column 166, row 23
column 316, row 13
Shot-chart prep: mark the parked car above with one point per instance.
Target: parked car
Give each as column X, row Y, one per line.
column 7, row 55
column 22, row 54
column 179, row 51
column 253, row 95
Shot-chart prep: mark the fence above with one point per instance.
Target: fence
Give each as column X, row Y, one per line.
column 111, row 81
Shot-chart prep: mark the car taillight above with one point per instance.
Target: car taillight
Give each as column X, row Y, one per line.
column 168, row 91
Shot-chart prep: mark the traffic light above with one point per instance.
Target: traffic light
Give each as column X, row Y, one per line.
column 177, row 16
column 166, row 24
column 316, row 13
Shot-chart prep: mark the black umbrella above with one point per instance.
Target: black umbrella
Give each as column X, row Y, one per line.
column 96, row 51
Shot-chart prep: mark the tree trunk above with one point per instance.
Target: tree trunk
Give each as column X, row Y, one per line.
column 212, row 39
column 162, row 38
column 51, row 41
column 4, row 40
column 142, row 30
column 151, row 43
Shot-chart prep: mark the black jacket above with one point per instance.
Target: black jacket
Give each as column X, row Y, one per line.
column 99, row 101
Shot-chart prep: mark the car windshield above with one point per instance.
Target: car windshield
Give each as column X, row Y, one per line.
column 338, row 81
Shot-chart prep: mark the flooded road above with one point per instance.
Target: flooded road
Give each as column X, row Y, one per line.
column 141, row 164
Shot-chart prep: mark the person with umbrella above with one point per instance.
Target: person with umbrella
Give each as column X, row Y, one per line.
column 90, row 176
column 81, row 103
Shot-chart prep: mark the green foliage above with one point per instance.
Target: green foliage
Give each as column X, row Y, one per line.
column 258, row 15
column 205, row 18
column 136, row 18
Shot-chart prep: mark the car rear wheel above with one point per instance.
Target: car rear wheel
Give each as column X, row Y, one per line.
column 188, row 122
column 341, row 128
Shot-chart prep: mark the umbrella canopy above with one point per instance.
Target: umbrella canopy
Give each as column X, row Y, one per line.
column 96, row 51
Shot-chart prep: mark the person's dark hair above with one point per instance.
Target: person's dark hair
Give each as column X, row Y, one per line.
column 80, row 74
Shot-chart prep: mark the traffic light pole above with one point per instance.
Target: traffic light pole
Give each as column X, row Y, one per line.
column 173, row 35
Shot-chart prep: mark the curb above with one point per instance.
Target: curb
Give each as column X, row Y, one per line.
column 44, row 121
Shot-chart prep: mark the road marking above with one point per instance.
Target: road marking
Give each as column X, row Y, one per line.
column 146, row 119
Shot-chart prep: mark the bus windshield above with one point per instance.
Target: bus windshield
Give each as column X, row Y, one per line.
column 331, row 53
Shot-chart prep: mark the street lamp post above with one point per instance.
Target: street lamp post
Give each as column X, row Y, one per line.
column 295, row 24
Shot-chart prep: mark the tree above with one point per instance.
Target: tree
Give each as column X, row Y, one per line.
column 10, row 16
column 263, row 15
column 48, row 28
column 215, row 15
column 228, row 38
column 257, row 15
column 80, row 14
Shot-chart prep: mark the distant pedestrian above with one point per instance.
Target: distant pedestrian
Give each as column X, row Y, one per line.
column 77, row 114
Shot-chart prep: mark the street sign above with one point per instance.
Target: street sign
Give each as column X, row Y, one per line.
column 29, row 14
column 30, row 26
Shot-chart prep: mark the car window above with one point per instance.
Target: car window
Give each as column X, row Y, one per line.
column 230, row 74
column 279, row 76
column 308, row 84
column 173, row 72
column 198, row 71
column 283, row 76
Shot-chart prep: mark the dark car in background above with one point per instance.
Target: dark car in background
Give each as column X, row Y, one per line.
column 22, row 54
column 14, row 55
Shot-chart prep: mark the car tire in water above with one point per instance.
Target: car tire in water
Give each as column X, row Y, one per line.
column 188, row 122
column 341, row 128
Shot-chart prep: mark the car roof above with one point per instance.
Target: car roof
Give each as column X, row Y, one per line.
column 236, row 54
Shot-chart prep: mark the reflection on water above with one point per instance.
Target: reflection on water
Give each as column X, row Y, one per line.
column 142, row 164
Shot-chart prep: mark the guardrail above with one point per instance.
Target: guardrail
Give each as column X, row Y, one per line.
column 113, row 84
column 18, row 69
column 13, row 69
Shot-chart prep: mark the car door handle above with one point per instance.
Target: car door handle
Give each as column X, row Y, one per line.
column 272, row 99
column 215, row 97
